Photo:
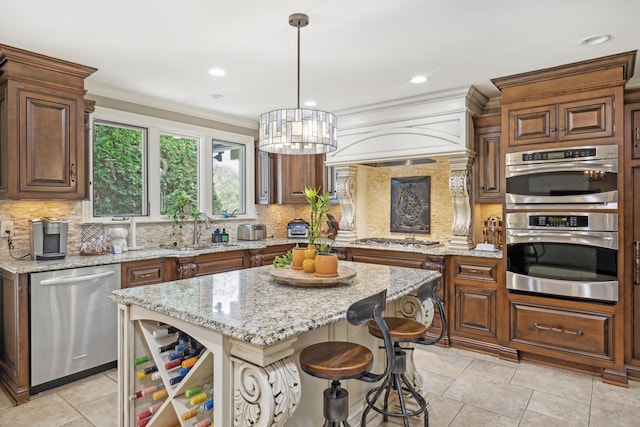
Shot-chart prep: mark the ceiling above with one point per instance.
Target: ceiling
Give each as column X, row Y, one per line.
column 353, row 53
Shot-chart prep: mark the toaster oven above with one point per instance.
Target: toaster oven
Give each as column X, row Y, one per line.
column 298, row 229
column 252, row 232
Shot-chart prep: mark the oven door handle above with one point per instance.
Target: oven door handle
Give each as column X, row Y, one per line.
column 585, row 165
column 590, row 238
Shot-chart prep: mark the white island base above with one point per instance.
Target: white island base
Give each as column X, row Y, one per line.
column 253, row 385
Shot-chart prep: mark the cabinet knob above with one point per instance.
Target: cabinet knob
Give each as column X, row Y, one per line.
column 561, row 128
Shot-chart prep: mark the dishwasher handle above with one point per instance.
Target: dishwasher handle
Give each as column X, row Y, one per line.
column 74, row 279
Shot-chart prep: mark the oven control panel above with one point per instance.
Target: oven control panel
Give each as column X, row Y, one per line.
column 558, row 221
column 556, row 155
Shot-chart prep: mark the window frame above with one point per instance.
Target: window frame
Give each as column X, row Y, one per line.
column 155, row 127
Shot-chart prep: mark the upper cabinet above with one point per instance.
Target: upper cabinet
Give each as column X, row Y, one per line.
column 42, row 127
column 281, row 178
column 488, row 161
column 574, row 104
column 581, row 119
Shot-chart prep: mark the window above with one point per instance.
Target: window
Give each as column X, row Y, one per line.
column 119, row 179
column 178, row 170
column 228, row 178
column 142, row 163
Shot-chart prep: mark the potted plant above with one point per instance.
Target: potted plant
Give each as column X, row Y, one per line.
column 179, row 207
column 326, row 262
column 319, row 207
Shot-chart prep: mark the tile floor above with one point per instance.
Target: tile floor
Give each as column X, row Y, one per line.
column 464, row 389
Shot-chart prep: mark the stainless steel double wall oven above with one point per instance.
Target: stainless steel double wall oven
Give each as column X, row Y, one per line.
column 561, row 222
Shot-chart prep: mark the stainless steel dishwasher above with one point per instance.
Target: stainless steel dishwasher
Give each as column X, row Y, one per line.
column 73, row 324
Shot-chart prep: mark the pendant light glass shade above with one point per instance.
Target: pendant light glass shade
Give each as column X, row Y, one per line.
column 298, row 130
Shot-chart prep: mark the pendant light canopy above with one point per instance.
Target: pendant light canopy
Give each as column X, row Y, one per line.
column 296, row 130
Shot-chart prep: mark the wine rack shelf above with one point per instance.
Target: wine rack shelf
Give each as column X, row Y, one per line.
column 175, row 404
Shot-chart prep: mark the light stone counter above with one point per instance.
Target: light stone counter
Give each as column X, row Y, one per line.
column 254, row 328
column 75, row 261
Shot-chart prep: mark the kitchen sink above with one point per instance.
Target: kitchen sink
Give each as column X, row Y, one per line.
column 202, row 247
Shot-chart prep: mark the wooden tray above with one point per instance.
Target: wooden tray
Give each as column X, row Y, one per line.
column 300, row 278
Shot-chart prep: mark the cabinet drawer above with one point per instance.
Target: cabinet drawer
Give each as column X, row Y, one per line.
column 475, row 271
column 577, row 332
column 143, row 273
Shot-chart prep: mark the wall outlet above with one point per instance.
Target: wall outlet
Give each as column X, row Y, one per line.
column 6, row 229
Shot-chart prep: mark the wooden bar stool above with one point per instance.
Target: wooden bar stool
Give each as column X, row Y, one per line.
column 340, row 360
column 403, row 330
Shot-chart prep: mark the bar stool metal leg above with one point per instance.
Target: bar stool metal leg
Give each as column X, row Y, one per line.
column 336, row 405
column 398, row 382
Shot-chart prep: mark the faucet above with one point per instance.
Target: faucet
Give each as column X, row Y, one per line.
column 197, row 230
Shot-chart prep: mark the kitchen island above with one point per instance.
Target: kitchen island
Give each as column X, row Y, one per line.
column 253, row 328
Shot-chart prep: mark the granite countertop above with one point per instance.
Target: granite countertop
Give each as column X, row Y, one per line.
column 250, row 306
column 76, row 261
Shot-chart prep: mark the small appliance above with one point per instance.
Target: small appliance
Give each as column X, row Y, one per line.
column 252, row 232
column 298, row 229
column 48, row 238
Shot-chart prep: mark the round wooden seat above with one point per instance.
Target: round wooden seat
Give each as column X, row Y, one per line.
column 400, row 329
column 336, row 360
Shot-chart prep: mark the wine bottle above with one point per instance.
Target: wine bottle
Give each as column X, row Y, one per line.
column 204, row 423
column 183, row 371
column 198, row 389
column 149, row 412
column 146, row 371
column 201, row 397
column 140, row 360
column 164, row 331
column 145, row 391
column 175, row 380
column 168, row 347
column 206, row 407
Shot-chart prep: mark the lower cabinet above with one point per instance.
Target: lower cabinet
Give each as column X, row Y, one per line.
column 259, row 257
column 216, row 262
column 384, row 257
column 576, row 332
column 146, row 272
column 474, row 285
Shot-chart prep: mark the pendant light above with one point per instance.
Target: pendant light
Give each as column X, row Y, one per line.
column 296, row 130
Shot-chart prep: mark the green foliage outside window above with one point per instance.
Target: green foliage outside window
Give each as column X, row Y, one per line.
column 117, row 170
column 178, row 172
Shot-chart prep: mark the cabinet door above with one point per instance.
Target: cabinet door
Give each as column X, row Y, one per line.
column 534, row 125
column 296, row 171
column 635, row 133
column 590, row 118
column 51, row 158
column 265, row 177
column 475, row 309
column 635, row 264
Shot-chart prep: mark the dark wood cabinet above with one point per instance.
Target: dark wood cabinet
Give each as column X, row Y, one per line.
column 281, row 178
column 567, row 105
column 576, row 332
column 295, row 173
column 265, row 176
column 42, row 127
column 387, row 257
column 488, row 163
column 582, row 119
column 474, row 285
column 215, row 262
column 146, row 272
column 631, row 261
column 14, row 345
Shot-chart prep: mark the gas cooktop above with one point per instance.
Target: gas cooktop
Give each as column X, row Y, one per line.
column 407, row 243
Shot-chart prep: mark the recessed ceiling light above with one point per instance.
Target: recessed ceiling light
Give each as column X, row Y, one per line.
column 419, row 79
column 217, row 72
column 217, row 96
column 594, row 40
column 310, row 103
